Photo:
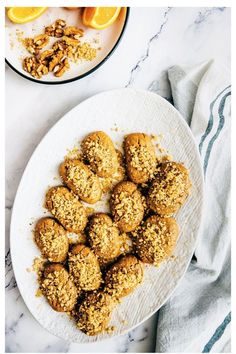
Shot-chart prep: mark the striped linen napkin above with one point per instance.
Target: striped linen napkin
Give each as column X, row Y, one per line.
column 197, row 316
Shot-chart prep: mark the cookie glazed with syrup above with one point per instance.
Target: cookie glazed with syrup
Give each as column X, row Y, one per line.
column 126, row 206
column 66, row 208
column 169, row 189
column 155, row 240
column 81, row 180
column 84, row 268
column 58, row 288
column 52, row 240
column 99, row 151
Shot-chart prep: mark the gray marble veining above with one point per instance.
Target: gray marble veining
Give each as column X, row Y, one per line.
column 142, row 59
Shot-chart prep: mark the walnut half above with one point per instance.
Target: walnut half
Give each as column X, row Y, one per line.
column 32, row 66
column 56, row 29
column 73, row 32
column 61, row 68
column 34, row 45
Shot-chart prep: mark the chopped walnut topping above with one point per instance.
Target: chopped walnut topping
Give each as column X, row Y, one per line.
column 155, row 239
column 126, row 244
column 126, row 206
column 58, row 288
column 84, row 268
column 100, row 152
column 79, row 177
column 95, row 312
column 140, row 157
column 65, row 207
column 52, row 240
column 108, row 183
column 124, row 276
column 104, row 238
column 82, row 181
column 169, row 188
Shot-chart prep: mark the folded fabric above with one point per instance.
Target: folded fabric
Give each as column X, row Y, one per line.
column 196, row 317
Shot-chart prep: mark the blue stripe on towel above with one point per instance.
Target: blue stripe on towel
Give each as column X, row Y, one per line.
column 218, row 333
column 210, row 122
column 220, row 330
column 220, row 127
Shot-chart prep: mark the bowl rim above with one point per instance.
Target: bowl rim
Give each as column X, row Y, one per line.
column 82, row 75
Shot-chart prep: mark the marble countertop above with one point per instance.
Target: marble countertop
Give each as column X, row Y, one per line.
column 155, row 39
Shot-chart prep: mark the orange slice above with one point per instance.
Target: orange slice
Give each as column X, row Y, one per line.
column 100, row 17
column 24, row 14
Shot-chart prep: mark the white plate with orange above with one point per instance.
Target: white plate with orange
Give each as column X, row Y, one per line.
column 117, row 113
column 104, row 40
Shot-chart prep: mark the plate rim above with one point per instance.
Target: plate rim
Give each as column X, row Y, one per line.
column 197, row 231
column 87, row 73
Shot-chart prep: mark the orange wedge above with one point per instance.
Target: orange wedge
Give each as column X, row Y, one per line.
column 100, row 17
column 24, row 14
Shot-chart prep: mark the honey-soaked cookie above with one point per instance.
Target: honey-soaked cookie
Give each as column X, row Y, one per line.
column 104, row 238
column 99, row 151
column 58, row 288
column 124, row 276
column 81, row 180
column 140, row 157
column 95, row 312
column 52, row 240
column 156, row 239
column 66, row 208
column 126, row 206
column 84, row 268
column 169, row 189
